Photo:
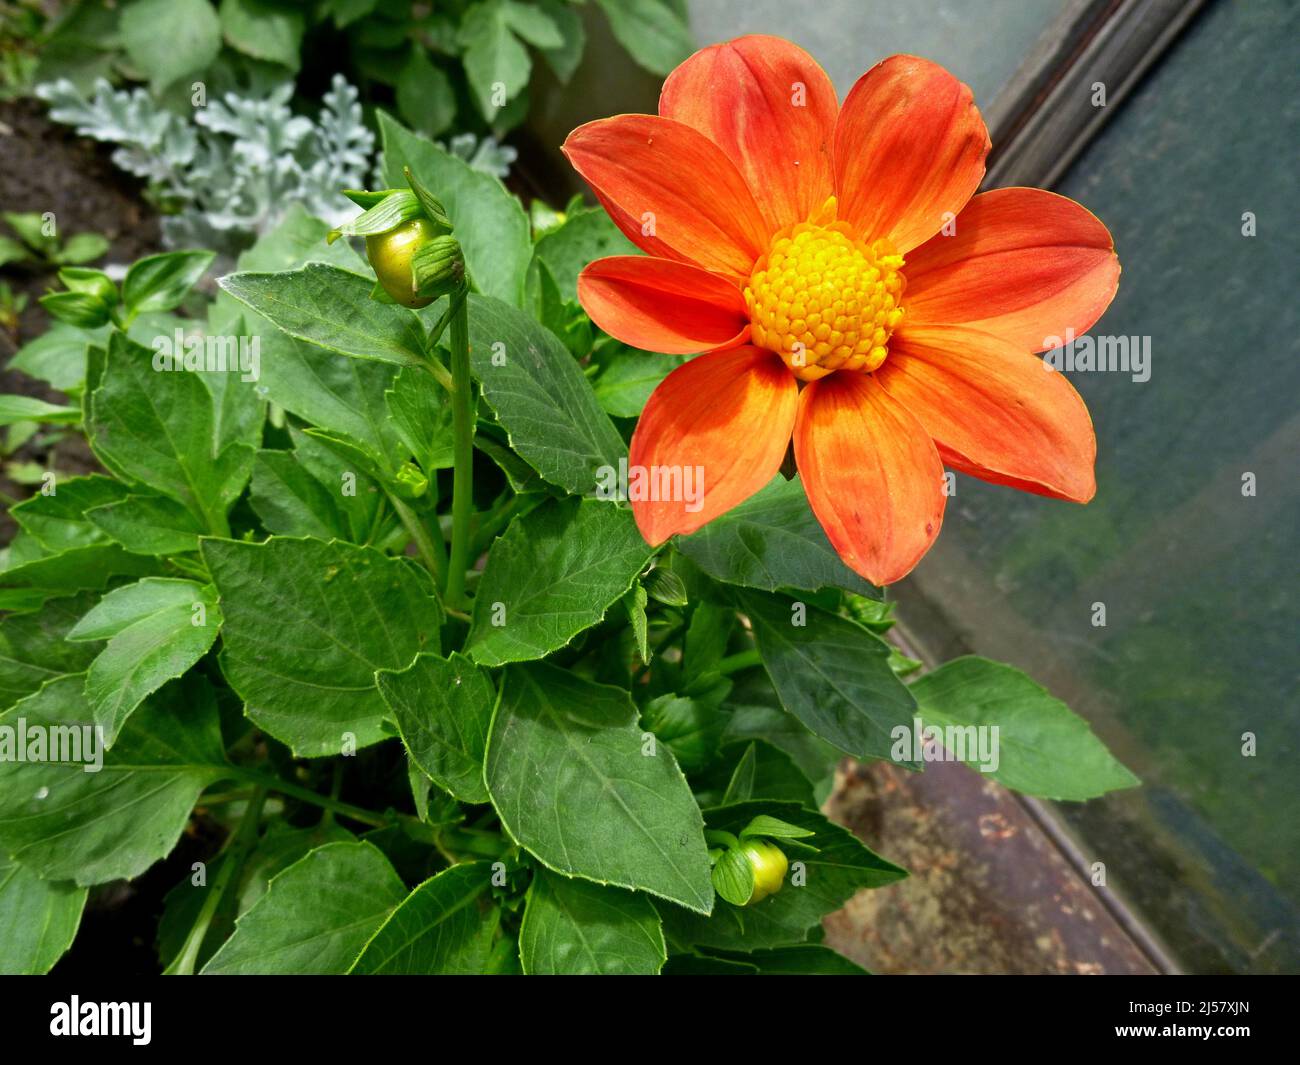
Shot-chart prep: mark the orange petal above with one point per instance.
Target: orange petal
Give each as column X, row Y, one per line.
column 1024, row 264
column 909, row 146
column 872, row 475
column 662, row 305
column 719, row 423
column 768, row 105
column 671, row 191
column 996, row 412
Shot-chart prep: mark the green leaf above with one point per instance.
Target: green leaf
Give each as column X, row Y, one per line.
column 771, row 541
column 733, row 877
column 564, row 58
column 774, row 828
column 542, row 399
column 553, row 573
column 831, row 673
column 59, row 520
column 807, row 959
column 67, row 823
column 156, row 629
column 81, row 309
column 635, row 602
column 569, row 774
column 28, row 409
column 307, row 624
column 690, row 727
column 34, row 647
column 170, row 39
column 839, row 867
column 74, row 570
column 443, row 708
column 263, row 30
column 445, row 926
column 425, row 97
column 493, row 55
column 331, row 307
column 148, row 525
column 585, row 235
column 490, row 223
column 160, row 430
column 625, row 377
column 1042, row 748
column 421, row 414
column 82, row 248
column 575, row 928
column 292, row 502
column 38, row 919
column 755, row 713
column 160, row 282
column 654, row 34
column 316, row 916
column 57, row 356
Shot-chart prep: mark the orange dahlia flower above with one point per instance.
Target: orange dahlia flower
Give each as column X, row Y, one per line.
column 850, row 291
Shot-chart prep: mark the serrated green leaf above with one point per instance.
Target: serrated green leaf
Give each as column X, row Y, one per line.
column 553, row 574
column 34, row 647
column 65, row 823
column 59, row 520
column 1043, row 748
column 445, row 926
column 160, row 430
column 542, row 399
column 156, row 629
column 421, row 414
column 307, row 624
column 148, row 525
column 771, row 541
column 490, row 223
column 316, row 916
column 575, row 928
column 331, row 307
column 831, row 673
column 38, row 919
column 443, row 708
column 569, row 775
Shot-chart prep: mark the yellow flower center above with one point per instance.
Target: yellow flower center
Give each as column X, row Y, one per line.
column 825, row 300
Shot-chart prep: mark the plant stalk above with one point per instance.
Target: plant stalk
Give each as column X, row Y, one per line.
column 462, row 423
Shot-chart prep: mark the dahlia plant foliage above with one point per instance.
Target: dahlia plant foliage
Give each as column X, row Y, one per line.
column 500, row 592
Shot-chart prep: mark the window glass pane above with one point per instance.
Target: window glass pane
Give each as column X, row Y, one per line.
column 981, row 41
column 1190, row 544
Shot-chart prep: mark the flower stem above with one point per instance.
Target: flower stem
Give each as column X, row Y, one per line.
column 462, row 423
column 236, row 849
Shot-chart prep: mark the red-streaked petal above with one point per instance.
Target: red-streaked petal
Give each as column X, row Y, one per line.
column 996, row 411
column 1024, row 264
column 872, row 475
column 725, row 419
column 768, row 105
column 663, row 305
column 909, row 147
column 671, row 190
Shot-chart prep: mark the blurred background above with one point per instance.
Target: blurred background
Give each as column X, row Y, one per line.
column 1189, row 548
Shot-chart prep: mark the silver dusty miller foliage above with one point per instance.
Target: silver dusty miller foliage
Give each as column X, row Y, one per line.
column 229, row 175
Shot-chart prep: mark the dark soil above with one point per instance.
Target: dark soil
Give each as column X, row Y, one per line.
column 45, row 167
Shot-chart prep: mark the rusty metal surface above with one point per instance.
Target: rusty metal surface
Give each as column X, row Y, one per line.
column 989, row 891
